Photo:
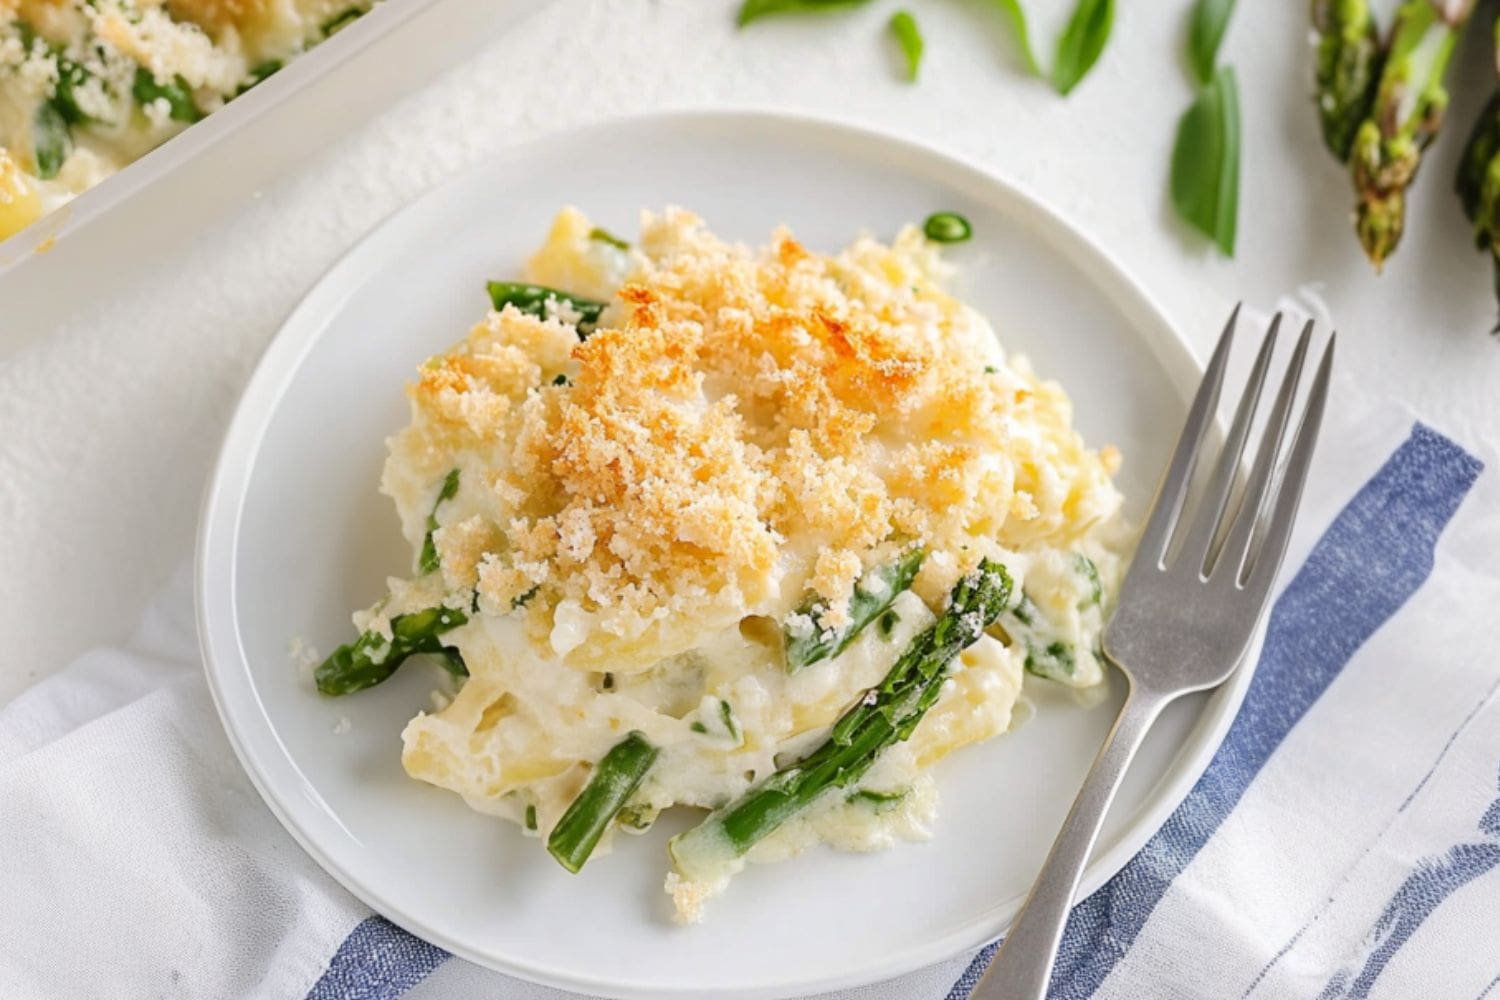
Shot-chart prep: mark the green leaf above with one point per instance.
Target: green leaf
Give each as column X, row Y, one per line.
column 1210, row 18
column 909, row 37
column 1206, row 161
column 754, row 10
column 51, row 140
column 176, row 92
column 1017, row 18
column 1081, row 42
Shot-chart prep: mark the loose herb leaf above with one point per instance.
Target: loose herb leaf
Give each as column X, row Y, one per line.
column 176, row 92
column 1206, row 161
column 909, row 37
column 602, row 235
column 754, row 10
column 1081, row 43
column 1017, row 18
column 532, row 300
column 1210, row 18
column 428, row 561
column 947, row 227
column 51, row 140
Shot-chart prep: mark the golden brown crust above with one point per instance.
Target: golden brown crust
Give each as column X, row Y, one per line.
column 746, row 425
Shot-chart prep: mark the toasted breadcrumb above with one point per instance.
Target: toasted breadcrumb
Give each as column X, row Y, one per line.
column 743, row 427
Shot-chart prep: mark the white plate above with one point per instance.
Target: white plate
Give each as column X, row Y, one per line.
column 294, row 536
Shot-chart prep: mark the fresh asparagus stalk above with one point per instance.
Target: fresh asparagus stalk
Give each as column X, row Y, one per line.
column 1348, row 69
column 886, row 715
column 1404, row 118
column 532, row 300
column 616, row 777
column 1478, row 182
column 373, row 658
column 872, row 595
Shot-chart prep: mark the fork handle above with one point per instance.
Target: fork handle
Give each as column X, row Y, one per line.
column 1023, row 968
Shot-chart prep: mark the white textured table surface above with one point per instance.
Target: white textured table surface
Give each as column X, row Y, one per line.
column 111, row 410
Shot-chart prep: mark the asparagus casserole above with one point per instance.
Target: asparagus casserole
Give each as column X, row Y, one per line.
column 87, row 86
column 758, row 532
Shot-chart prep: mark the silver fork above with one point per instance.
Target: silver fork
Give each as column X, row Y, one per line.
column 1186, row 615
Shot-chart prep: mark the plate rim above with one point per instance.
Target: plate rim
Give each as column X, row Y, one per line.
column 222, row 505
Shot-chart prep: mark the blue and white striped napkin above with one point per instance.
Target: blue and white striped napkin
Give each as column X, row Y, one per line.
column 1344, row 842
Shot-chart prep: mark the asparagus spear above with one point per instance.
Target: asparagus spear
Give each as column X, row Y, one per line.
column 886, row 715
column 1348, row 69
column 428, row 560
column 1478, row 183
column 616, row 777
column 532, row 300
column 1404, row 118
column 372, row 657
column 873, row 594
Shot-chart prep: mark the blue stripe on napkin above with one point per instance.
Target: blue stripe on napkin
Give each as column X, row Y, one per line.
column 1433, row 880
column 1372, row 558
column 377, row 961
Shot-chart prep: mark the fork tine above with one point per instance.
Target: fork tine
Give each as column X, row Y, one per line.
column 1209, row 518
column 1237, row 543
column 1174, row 484
column 1267, row 560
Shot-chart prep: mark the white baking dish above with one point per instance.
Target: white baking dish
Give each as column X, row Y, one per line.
column 89, row 245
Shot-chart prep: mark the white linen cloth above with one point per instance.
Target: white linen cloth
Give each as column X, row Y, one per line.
column 1344, row 843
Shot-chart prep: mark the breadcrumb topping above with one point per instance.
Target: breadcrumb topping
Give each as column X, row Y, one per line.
column 745, row 426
